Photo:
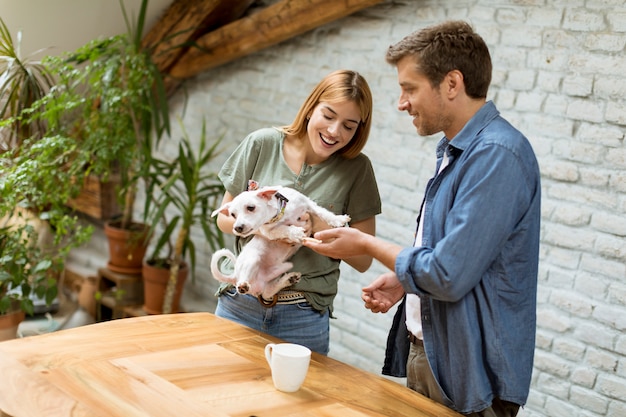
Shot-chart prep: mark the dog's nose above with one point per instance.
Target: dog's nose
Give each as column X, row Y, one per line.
column 239, row 229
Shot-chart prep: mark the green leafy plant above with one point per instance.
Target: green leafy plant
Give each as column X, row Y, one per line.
column 26, row 266
column 36, row 180
column 32, row 193
column 35, row 184
column 182, row 193
column 110, row 99
column 26, row 269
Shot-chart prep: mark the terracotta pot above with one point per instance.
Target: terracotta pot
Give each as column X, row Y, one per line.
column 154, row 284
column 9, row 323
column 87, row 295
column 127, row 247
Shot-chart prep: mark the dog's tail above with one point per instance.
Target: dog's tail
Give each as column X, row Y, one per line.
column 215, row 269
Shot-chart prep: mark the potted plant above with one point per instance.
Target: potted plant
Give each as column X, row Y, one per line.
column 26, row 270
column 180, row 194
column 29, row 265
column 110, row 99
column 34, row 185
column 26, row 86
column 33, row 190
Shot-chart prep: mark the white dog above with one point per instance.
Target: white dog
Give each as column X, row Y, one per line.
column 279, row 218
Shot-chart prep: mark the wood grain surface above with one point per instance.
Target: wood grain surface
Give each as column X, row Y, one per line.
column 191, row 364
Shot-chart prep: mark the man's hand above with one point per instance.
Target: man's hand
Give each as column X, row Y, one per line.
column 349, row 242
column 383, row 293
column 338, row 243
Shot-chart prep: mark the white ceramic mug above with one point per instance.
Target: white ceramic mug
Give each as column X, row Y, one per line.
column 289, row 363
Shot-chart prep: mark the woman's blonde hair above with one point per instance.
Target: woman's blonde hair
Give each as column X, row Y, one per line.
column 338, row 86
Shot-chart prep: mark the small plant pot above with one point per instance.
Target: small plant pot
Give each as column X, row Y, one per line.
column 87, row 295
column 9, row 323
column 127, row 247
column 154, row 284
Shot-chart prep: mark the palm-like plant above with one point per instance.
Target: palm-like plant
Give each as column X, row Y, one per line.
column 23, row 81
column 191, row 193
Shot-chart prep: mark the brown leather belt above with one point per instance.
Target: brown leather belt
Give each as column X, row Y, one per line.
column 283, row 297
column 415, row 340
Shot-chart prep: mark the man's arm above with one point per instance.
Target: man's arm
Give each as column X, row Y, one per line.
column 347, row 242
column 362, row 262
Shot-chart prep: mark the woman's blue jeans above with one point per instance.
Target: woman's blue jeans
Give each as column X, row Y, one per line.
column 295, row 323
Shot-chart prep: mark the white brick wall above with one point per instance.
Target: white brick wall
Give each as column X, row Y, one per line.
column 559, row 76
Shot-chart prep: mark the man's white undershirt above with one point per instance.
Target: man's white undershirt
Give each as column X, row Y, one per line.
column 413, row 309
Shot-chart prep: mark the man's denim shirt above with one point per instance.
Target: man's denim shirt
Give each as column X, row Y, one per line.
column 476, row 271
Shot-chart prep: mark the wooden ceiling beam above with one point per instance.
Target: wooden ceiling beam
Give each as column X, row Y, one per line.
column 267, row 27
column 186, row 20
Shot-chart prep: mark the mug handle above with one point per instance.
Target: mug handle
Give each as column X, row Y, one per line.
column 268, row 352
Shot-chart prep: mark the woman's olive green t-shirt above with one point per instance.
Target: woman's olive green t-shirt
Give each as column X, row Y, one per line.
column 343, row 186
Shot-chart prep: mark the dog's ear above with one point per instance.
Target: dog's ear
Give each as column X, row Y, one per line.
column 223, row 210
column 267, row 193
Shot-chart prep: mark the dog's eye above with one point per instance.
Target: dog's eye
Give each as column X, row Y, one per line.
column 250, row 208
column 233, row 215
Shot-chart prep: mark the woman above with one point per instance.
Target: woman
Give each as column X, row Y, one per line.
column 319, row 154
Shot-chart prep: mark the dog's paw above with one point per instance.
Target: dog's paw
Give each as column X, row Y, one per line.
column 305, row 222
column 296, row 234
column 243, row 288
column 294, row 278
column 339, row 221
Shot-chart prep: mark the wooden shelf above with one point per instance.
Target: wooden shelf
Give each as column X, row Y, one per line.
column 134, row 311
column 118, row 292
column 122, row 295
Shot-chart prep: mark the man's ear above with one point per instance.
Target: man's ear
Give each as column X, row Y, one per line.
column 453, row 83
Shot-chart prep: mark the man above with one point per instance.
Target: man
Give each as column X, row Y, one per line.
column 464, row 334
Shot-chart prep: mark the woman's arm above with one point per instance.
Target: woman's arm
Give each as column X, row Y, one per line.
column 224, row 222
column 361, row 262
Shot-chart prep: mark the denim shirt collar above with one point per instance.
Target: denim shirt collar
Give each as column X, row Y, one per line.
column 468, row 134
column 442, row 147
column 470, row 131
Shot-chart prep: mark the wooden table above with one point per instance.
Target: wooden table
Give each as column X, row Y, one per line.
column 188, row 364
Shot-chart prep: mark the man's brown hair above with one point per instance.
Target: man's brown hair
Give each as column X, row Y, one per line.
column 439, row 49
